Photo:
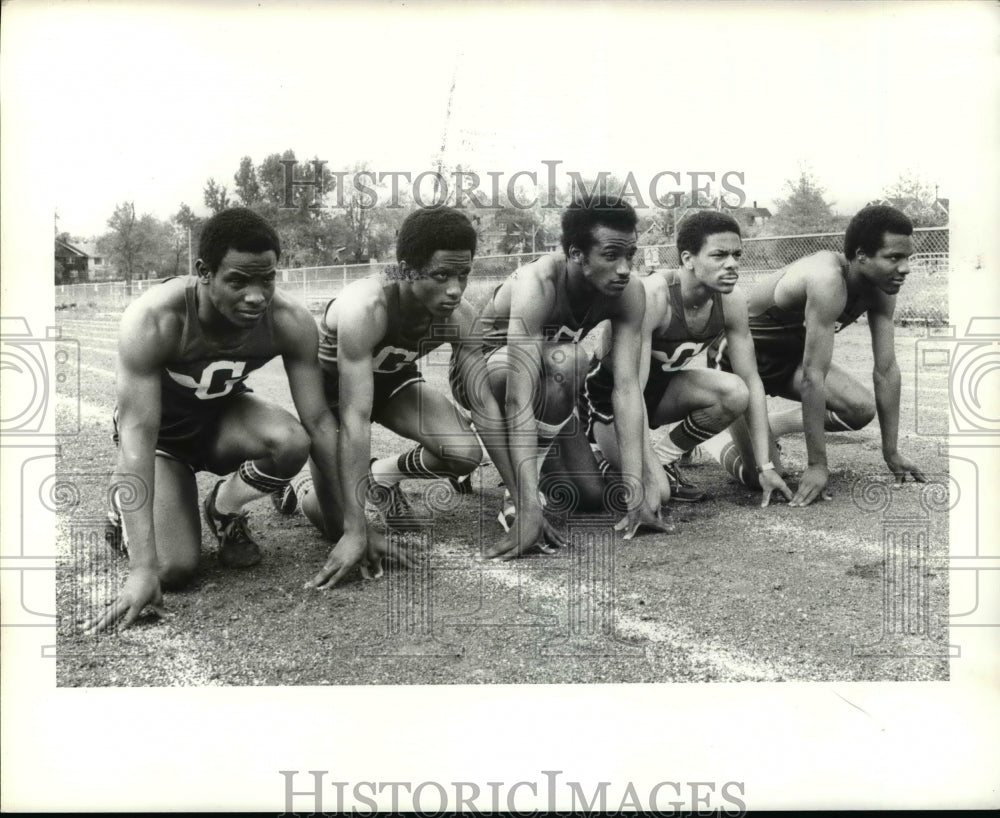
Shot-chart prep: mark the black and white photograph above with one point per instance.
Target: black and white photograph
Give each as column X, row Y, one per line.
column 500, row 407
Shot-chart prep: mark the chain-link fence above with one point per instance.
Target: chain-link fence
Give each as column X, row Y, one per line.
column 923, row 299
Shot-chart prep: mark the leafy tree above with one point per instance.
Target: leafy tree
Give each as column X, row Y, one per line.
column 804, row 209
column 187, row 227
column 359, row 211
column 216, row 196
column 916, row 197
column 247, row 187
column 131, row 242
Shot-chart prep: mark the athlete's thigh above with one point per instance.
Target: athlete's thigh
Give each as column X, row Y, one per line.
column 422, row 414
column 241, row 432
column 688, row 390
column 607, row 441
column 176, row 514
column 509, row 358
column 572, row 460
column 843, row 390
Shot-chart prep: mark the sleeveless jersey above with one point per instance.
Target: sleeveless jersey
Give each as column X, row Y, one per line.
column 203, row 370
column 562, row 325
column 672, row 347
column 777, row 321
column 401, row 346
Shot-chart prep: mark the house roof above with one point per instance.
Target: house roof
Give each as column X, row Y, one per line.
column 903, row 202
column 750, row 211
column 74, row 249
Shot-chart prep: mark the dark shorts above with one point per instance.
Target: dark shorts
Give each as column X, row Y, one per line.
column 188, row 432
column 779, row 353
column 595, row 399
column 386, row 387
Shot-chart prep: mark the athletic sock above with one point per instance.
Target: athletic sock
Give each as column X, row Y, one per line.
column 408, row 466
column 246, row 484
column 696, row 428
column 727, row 453
column 784, row 423
column 789, row 421
column 302, row 485
column 386, row 471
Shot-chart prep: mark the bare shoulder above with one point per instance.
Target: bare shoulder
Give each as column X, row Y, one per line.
column 152, row 324
column 542, row 270
column 362, row 300
column 826, row 265
column 291, row 317
column 657, row 291
column 816, row 277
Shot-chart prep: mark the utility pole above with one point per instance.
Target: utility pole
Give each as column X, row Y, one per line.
column 444, row 136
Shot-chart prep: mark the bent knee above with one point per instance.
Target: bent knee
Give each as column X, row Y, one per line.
column 462, row 458
column 177, row 573
column 735, row 397
column 858, row 415
column 863, row 415
column 287, row 439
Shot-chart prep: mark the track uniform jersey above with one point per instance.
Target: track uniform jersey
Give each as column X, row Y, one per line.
column 564, row 325
column 202, row 381
column 671, row 349
column 779, row 334
column 394, row 357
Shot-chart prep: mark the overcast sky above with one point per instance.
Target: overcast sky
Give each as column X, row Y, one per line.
column 146, row 102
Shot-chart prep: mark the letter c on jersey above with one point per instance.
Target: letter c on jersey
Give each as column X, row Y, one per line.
column 213, row 384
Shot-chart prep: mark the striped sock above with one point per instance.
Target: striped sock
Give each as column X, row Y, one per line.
column 696, row 428
column 732, row 462
column 245, row 485
column 302, row 485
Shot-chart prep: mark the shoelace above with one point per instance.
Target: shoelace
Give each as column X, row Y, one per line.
column 235, row 529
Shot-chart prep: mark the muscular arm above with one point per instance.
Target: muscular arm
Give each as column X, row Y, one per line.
column 360, row 327
column 471, row 372
column 886, row 380
column 144, row 336
column 885, row 376
column 626, row 395
column 826, row 296
column 531, row 301
column 299, row 344
column 656, row 312
column 137, row 386
column 744, row 363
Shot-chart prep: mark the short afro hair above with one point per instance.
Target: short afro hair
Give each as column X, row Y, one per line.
column 867, row 229
column 697, row 227
column 587, row 212
column 429, row 229
column 237, row 228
